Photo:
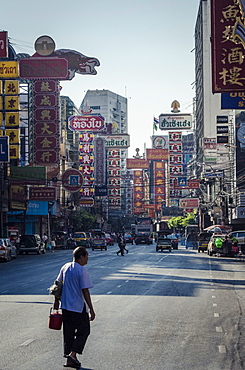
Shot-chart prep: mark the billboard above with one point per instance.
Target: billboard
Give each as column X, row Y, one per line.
column 157, row 154
column 175, row 122
column 227, row 43
column 137, row 163
column 233, row 100
column 86, row 123
column 35, row 68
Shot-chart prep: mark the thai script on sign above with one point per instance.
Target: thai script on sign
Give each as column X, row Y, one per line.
column 90, row 123
column 9, row 69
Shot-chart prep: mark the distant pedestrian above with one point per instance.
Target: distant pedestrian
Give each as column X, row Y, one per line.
column 120, row 242
column 52, row 243
column 45, row 240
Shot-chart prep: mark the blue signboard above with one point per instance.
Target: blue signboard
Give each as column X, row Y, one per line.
column 182, row 181
column 37, row 208
column 4, row 149
column 233, row 100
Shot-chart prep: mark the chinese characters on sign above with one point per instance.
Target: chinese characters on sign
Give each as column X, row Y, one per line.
column 46, row 125
column 228, row 44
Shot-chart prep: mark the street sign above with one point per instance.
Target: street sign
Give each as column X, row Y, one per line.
column 86, row 123
column 45, row 193
column 189, row 203
column 213, row 174
column 4, row 149
column 34, row 68
column 72, row 180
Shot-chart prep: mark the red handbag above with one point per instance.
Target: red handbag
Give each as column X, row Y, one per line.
column 55, row 319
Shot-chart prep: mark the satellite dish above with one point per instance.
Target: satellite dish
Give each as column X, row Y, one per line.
column 44, row 46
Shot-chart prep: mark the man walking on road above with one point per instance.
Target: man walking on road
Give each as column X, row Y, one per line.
column 76, row 304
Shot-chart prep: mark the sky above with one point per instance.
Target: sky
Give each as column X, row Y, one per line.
column 145, row 49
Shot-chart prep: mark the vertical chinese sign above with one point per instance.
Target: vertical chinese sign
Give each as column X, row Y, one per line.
column 114, row 178
column 86, row 163
column 9, row 105
column 138, row 192
column 175, row 165
column 47, row 125
column 228, row 44
column 159, row 185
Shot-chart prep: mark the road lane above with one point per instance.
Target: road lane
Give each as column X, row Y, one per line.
column 154, row 311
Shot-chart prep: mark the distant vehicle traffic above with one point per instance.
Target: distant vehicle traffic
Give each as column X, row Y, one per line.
column 218, row 244
column 128, row 238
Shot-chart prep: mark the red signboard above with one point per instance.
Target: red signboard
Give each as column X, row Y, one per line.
column 45, row 114
column 4, row 44
column 189, row 203
column 35, row 68
column 86, row 123
column 44, row 157
column 45, row 86
column 42, row 193
column 137, row 163
column 45, row 100
column 228, row 41
column 157, row 154
column 46, row 143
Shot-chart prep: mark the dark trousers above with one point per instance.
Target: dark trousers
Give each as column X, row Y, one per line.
column 76, row 329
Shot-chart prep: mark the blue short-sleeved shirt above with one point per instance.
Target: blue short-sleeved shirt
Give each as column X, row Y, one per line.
column 75, row 278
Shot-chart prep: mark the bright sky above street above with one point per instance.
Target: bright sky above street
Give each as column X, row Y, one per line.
column 145, row 49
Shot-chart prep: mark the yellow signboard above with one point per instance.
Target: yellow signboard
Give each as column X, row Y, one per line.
column 1, row 87
column 12, row 119
column 1, row 120
column 1, row 103
column 11, row 87
column 11, row 102
column 9, row 69
column 14, row 152
column 14, row 136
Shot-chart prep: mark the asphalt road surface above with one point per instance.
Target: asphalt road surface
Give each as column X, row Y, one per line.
column 154, row 311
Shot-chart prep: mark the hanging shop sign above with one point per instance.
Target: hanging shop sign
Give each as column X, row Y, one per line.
column 72, row 180
column 4, row 149
column 173, row 121
column 157, row 154
column 86, row 202
column 137, row 163
column 189, row 203
column 35, row 68
column 4, row 44
column 233, row 100
column 86, row 123
column 227, row 43
column 46, row 193
column 9, row 69
column 117, row 141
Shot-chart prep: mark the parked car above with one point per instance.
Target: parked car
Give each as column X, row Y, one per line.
column 31, row 243
column 13, row 247
column 5, row 249
column 109, row 239
column 220, row 247
column 240, row 236
column 128, row 238
column 142, row 238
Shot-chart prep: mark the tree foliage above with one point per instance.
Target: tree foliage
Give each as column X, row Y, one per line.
column 83, row 220
column 182, row 221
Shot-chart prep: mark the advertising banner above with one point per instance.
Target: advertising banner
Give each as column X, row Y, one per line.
column 4, row 44
column 233, row 100
column 35, row 68
column 227, row 43
column 137, row 163
column 173, row 121
column 189, row 203
column 86, row 123
column 157, row 154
